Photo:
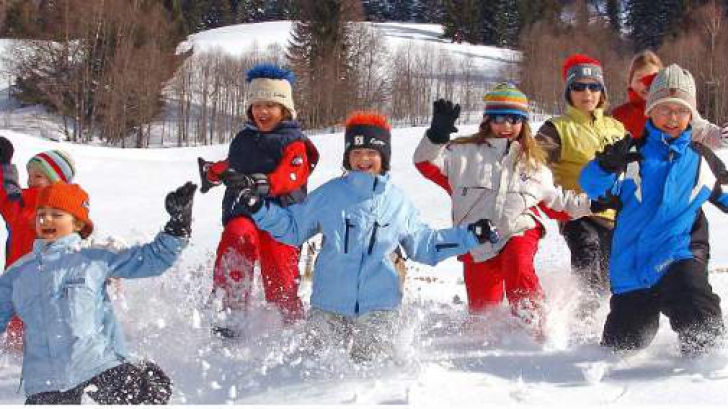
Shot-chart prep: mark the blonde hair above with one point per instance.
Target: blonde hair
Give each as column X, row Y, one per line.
column 642, row 60
column 532, row 156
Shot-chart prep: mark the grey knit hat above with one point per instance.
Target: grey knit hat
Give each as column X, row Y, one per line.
column 673, row 84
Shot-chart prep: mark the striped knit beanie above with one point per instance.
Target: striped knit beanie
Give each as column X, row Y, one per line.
column 57, row 165
column 368, row 130
column 270, row 83
column 505, row 99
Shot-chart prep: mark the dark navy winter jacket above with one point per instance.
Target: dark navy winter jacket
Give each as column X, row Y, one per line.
column 661, row 198
column 281, row 154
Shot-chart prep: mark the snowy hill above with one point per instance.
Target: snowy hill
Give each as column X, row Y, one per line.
column 166, row 318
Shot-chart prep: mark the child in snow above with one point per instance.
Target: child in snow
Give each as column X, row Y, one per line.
column 659, row 183
column 363, row 218
column 17, row 207
column 272, row 149
column 58, row 292
column 570, row 141
column 642, row 71
column 499, row 173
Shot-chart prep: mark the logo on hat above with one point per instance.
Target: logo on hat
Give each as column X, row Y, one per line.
column 377, row 142
column 359, row 140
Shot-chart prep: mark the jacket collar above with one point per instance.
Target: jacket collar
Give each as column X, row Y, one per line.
column 285, row 127
column 365, row 184
column 64, row 243
column 635, row 99
column 581, row 117
column 663, row 144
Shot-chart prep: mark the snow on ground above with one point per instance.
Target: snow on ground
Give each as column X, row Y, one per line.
column 166, row 318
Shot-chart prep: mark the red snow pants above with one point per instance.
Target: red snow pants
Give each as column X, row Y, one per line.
column 242, row 245
column 511, row 272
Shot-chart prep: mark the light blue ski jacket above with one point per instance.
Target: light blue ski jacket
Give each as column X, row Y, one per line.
column 59, row 291
column 363, row 218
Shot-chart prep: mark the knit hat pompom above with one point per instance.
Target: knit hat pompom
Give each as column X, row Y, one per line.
column 70, row 198
column 368, row 118
column 577, row 59
column 270, row 83
column 57, row 165
column 270, row 71
column 368, row 130
column 506, row 99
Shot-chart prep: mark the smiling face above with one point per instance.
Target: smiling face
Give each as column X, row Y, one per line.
column 506, row 129
column 37, row 178
column 586, row 99
column 671, row 118
column 267, row 115
column 366, row 160
column 52, row 224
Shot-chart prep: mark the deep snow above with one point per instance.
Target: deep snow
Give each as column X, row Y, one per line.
column 166, row 318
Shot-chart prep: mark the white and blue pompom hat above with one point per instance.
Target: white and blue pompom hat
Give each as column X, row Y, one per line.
column 270, row 83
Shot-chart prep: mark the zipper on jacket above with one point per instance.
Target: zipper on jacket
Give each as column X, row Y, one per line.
column 349, row 225
column 373, row 239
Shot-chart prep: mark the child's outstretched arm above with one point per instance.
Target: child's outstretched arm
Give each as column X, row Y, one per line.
column 293, row 224
column 154, row 258
column 6, row 293
column 430, row 246
column 10, row 191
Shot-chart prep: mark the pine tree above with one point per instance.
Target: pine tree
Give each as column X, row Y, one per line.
column 429, row 11
column 652, row 21
column 317, row 53
column 614, row 11
column 463, row 16
column 377, row 10
column 402, row 10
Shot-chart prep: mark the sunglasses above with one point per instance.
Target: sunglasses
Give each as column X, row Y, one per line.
column 581, row 87
column 512, row 119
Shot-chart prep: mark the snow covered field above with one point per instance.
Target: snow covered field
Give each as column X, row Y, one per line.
column 166, row 318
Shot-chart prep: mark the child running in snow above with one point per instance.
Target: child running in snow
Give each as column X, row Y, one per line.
column 363, row 218
column 272, row 150
column 658, row 260
column 642, row 71
column 499, row 173
column 17, row 206
column 72, row 343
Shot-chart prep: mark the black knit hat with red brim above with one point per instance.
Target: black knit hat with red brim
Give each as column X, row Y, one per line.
column 368, row 130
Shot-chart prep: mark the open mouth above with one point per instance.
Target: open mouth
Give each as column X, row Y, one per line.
column 48, row 231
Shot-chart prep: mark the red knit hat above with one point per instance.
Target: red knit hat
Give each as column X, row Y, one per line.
column 578, row 66
column 577, row 59
column 69, row 198
column 369, row 130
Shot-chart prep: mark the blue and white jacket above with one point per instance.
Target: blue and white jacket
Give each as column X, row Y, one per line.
column 363, row 218
column 660, row 199
column 59, row 291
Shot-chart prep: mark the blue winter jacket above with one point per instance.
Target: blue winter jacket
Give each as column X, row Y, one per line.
column 660, row 196
column 58, row 290
column 363, row 218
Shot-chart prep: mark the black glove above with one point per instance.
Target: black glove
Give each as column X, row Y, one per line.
column 179, row 206
column 484, row 231
column 6, row 151
column 250, row 200
column 444, row 115
column 257, row 182
column 598, row 206
column 614, row 158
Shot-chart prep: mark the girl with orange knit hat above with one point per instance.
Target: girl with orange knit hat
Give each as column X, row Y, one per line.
column 17, row 207
column 363, row 218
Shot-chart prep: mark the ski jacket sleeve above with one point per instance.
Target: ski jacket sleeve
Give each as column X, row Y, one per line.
column 147, row 260
column 549, row 140
column 596, row 182
column 293, row 224
column 559, row 201
column 6, row 303
column 292, row 171
column 10, row 191
column 214, row 172
column 707, row 133
column 430, row 161
column 429, row 246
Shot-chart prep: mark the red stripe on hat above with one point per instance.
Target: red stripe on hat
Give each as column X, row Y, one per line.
column 53, row 165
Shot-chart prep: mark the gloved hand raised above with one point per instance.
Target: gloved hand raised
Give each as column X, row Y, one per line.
column 179, row 206
column 444, row 115
column 6, row 151
column 614, row 158
column 485, row 231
